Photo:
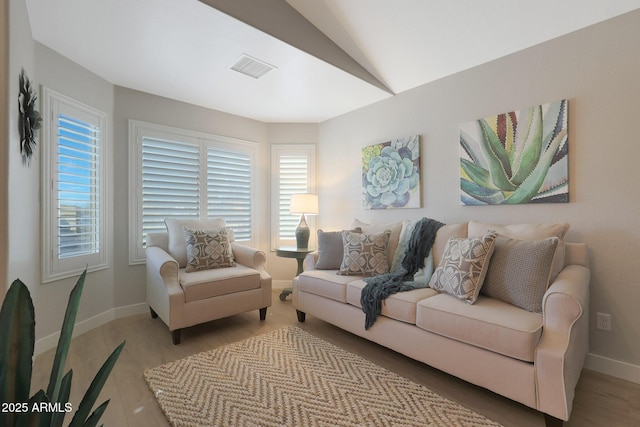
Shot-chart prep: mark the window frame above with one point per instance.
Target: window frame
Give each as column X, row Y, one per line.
column 277, row 152
column 53, row 267
column 138, row 130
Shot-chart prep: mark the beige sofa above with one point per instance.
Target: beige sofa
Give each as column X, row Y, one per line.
column 532, row 358
column 182, row 299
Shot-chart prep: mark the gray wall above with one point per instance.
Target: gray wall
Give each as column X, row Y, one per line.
column 598, row 70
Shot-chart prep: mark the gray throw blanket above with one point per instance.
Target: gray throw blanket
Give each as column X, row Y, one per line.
column 380, row 287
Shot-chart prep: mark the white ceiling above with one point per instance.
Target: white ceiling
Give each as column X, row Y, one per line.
column 182, row 49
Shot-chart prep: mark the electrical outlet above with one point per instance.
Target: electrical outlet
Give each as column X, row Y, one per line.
column 603, row 321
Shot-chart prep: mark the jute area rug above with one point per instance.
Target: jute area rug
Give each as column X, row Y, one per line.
column 288, row 377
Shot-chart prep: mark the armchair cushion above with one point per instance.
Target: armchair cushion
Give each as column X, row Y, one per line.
column 177, row 247
column 204, row 284
column 207, row 249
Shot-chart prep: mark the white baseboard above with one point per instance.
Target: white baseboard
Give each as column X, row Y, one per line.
column 51, row 341
column 615, row 368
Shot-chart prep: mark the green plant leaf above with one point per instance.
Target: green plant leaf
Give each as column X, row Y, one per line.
column 529, row 188
column 94, row 389
column 530, row 145
column 499, row 166
column 65, row 389
column 92, row 421
column 65, row 339
column 34, row 418
column 485, row 195
column 478, row 175
column 17, row 335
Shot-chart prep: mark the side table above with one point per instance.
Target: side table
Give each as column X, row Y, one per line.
column 292, row 252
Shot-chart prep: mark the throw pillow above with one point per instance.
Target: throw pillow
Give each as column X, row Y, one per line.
column 177, row 246
column 463, row 266
column 395, row 228
column 529, row 232
column 208, row 249
column 520, row 271
column 330, row 249
column 364, row 254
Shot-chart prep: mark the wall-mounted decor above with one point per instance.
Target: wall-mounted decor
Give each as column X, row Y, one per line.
column 516, row 157
column 29, row 120
column 391, row 174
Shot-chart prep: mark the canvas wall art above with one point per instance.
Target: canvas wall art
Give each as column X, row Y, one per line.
column 391, row 174
column 516, row 157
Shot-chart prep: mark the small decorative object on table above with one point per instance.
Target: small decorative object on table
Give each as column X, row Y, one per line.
column 291, row 252
column 303, row 204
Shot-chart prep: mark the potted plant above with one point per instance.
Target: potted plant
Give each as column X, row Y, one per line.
column 17, row 338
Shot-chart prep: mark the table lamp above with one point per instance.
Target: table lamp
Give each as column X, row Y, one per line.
column 303, row 204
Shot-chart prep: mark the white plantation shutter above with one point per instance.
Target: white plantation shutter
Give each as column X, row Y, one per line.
column 170, row 182
column 74, row 187
column 293, row 179
column 78, row 188
column 292, row 172
column 187, row 174
column 229, row 190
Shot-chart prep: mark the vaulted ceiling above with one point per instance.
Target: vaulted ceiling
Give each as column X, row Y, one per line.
column 328, row 57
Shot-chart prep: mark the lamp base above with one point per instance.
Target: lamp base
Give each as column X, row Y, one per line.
column 302, row 233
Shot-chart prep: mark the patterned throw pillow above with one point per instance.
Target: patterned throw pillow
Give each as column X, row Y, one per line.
column 330, row 249
column 520, row 271
column 463, row 266
column 208, row 249
column 364, row 254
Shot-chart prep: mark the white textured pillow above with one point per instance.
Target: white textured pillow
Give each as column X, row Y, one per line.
column 207, row 249
column 177, row 243
column 463, row 266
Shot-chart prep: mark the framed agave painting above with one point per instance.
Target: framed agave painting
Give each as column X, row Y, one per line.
column 391, row 174
column 516, row 157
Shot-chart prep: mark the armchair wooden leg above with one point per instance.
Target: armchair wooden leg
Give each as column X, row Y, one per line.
column 302, row 316
column 154, row 315
column 176, row 336
column 263, row 313
column 550, row 421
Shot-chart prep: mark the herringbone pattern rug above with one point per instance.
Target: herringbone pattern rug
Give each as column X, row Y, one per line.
column 291, row 378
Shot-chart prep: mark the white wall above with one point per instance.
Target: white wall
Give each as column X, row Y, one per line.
column 4, row 143
column 598, row 70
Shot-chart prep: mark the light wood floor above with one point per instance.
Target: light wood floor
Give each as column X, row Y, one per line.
column 600, row 400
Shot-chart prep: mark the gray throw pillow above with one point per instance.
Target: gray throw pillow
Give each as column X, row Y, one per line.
column 207, row 249
column 364, row 254
column 330, row 250
column 520, row 271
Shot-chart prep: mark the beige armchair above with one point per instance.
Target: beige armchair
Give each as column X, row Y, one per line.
column 182, row 299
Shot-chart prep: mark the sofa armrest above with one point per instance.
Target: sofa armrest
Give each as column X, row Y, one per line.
column 248, row 256
column 310, row 261
column 564, row 344
column 163, row 285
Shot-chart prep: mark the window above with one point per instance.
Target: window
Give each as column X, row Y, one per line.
column 181, row 173
column 293, row 171
column 74, row 187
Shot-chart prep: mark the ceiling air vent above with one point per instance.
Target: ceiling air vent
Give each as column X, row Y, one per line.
column 251, row 67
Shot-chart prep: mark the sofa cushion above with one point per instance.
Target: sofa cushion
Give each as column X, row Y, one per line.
column 519, row 271
column 463, row 266
column 489, row 323
column 212, row 283
column 364, row 254
column 400, row 306
column 207, row 249
column 528, row 232
column 177, row 247
column 326, row 283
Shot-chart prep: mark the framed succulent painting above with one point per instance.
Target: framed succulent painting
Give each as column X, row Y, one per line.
column 391, row 174
column 516, row 157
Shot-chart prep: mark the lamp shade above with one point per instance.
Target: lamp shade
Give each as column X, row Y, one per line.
column 304, row 204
